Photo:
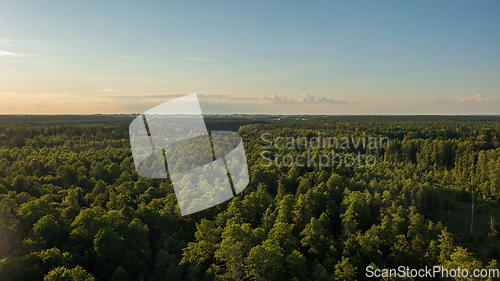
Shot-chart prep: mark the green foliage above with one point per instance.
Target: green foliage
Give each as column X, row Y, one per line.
column 265, row 261
column 64, row 274
column 344, row 270
column 120, row 274
column 20, row 268
column 72, row 206
column 48, row 229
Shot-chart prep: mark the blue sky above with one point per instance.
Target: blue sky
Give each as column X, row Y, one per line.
column 356, row 57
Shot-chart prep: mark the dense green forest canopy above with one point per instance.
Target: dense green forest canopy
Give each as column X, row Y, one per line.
column 72, row 206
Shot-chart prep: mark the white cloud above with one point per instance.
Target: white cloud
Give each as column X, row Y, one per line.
column 4, row 53
column 231, row 103
column 198, row 59
column 276, row 99
column 316, row 100
column 304, row 99
column 477, row 98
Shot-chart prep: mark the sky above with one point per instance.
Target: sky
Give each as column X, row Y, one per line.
column 274, row 57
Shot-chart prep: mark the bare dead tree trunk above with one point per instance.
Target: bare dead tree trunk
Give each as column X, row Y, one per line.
column 472, row 192
column 472, row 215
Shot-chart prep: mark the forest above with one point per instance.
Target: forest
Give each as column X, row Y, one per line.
column 72, row 206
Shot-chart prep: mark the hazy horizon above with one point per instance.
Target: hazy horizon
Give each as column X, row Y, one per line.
column 255, row 114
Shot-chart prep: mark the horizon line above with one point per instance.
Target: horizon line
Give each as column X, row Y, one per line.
column 247, row 114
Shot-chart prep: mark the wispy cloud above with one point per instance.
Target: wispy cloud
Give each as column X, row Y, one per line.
column 146, row 96
column 319, row 100
column 477, row 98
column 434, row 100
column 474, row 99
column 304, row 99
column 8, row 95
column 22, row 98
column 198, row 59
column 233, row 99
column 109, row 90
column 10, row 54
